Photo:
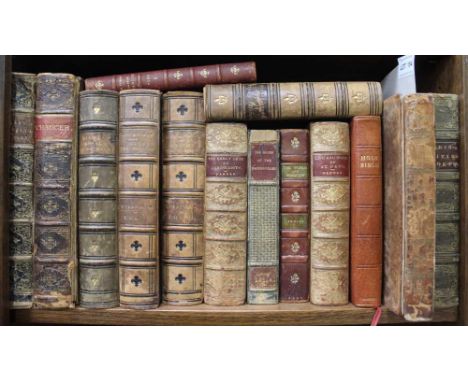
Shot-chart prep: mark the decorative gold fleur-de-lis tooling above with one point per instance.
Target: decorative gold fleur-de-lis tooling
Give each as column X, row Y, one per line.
column 204, row 73
column 294, row 278
column 221, row 100
column 99, row 85
column 325, row 98
column 97, row 109
column 95, row 213
column 50, row 206
column 290, row 98
column 94, row 178
column 295, row 143
column 295, row 196
column 235, row 70
column 295, row 247
column 178, row 75
column 359, row 97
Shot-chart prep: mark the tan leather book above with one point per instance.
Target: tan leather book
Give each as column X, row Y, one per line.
column 138, row 198
column 366, row 211
column 183, row 184
column 21, row 213
column 97, row 205
column 291, row 100
column 225, row 226
column 55, row 173
column 329, row 244
column 409, row 205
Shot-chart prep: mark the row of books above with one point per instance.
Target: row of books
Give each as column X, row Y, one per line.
column 256, row 216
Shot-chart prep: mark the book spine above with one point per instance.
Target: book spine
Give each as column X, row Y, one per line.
column 225, row 226
column 409, row 210
column 295, row 209
column 173, row 79
column 21, row 189
column 138, row 198
column 299, row 100
column 183, row 184
column 263, row 217
column 329, row 213
column 447, row 200
column 97, row 193
column 366, row 212
column 55, row 268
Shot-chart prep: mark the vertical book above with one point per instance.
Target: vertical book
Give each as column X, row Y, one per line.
column 366, row 211
column 183, row 184
column 55, row 172
column 225, row 226
column 329, row 251
column 295, row 209
column 263, row 217
column 409, row 205
column 21, row 189
column 97, row 193
column 138, row 198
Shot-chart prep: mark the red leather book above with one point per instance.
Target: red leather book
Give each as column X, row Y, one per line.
column 294, row 263
column 181, row 78
column 366, row 211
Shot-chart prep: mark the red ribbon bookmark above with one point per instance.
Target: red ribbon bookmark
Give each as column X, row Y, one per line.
column 376, row 318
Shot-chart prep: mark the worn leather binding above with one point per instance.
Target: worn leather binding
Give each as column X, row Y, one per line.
column 366, row 211
column 55, row 163
column 295, row 208
column 447, row 200
column 296, row 100
column 225, row 226
column 21, row 189
column 174, row 79
column 97, row 192
column 183, row 184
column 329, row 253
column 263, row 217
column 409, row 205
column 138, row 198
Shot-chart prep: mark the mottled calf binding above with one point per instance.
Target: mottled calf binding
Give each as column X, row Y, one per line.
column 409, row 205
column 329, row 253
column 225, row 226
column 55, row 171
column 183, row 184
column 295, row 209
column 21, row 189
column 447, row 200
column 294, row 100
column 263, row 217
column 97, row 192
column 138, row 198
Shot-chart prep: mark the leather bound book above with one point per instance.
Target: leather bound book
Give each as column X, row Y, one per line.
column 55, row 162
column 181, row 78
column 263, row 217
column 409, row 209
column 97, row 191
column 21, row 189
column 447, row 200
column 225, row 226
column 138, row 198
column 295, row 208
column 183, row 184
column 366, row 211
column 295, row 100
column 329, row 252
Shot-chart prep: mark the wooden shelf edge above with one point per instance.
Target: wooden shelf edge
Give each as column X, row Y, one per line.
column 281, row 314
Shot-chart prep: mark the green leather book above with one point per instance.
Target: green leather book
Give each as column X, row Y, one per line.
column 447, row 200
column 263, row 217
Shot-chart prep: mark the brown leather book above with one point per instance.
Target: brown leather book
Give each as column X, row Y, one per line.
column 183, row 184
column 138, row 198
column 329, row 252
column 409, row 205
column 181, row 78
column 225, row 214
column 295, row 179
column 55, row 170
column 366, row 211
column 97, row 192
column 294, row 100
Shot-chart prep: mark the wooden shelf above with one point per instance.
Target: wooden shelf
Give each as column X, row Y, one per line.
column 281, row 314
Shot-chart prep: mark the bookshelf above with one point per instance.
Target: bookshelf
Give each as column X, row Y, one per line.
column 434, row 73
